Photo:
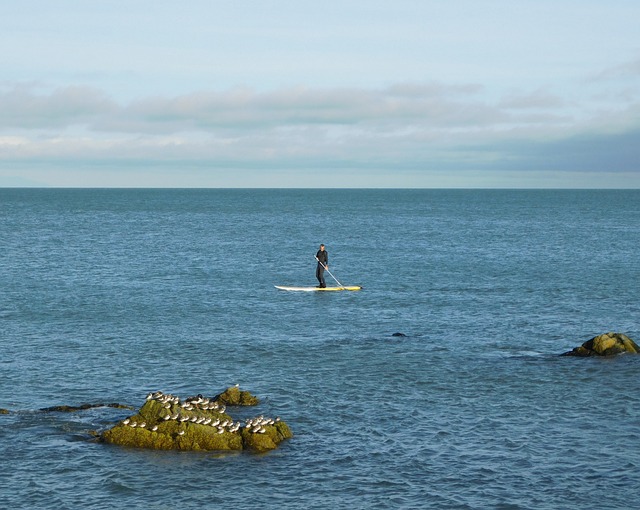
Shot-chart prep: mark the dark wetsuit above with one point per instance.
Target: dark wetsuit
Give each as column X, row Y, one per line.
column 323, row 258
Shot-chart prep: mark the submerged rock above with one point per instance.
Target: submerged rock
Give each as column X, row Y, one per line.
column 83, row 407
column 4, row 411
column 165, row 422
column 608, row 344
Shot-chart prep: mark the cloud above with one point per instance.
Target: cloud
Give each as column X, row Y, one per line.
column 404, row 126
column 629, row 70
column 22, row 108
column 244, row 109
column 434, row 105
column 538, row 99
column 584, row 152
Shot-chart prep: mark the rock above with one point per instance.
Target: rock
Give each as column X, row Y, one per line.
column 399, row 334
column 4, row 411
column 608, row 344
column 83, row 407
column 233, row 396
column 268, row 440
column 166, row 423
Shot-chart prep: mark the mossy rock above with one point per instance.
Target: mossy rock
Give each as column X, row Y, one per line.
column 269, row 440
column 234, row 396
column 4, row 411
column 173, row 435
column 171, row 425
column 608, row 344
column 153, row 412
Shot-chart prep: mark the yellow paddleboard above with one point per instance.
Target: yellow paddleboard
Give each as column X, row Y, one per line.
column 314, row 289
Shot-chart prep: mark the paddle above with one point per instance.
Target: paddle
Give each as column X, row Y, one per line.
column 327, row 270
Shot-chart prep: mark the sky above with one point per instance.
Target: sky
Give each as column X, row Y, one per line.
column 332, row 94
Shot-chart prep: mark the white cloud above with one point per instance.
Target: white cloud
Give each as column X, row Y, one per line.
column 23, row 108
column 404, row 126
column 431, row 106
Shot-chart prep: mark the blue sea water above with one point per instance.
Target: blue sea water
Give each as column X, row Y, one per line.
column 106, row 295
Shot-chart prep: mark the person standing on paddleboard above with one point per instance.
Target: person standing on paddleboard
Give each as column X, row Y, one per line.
column 323, row 263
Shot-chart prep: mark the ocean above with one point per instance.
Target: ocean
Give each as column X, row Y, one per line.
column 437, row 386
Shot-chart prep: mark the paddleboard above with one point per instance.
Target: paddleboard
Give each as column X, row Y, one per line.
column 314, row 289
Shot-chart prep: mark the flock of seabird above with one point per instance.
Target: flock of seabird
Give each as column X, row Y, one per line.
column 254, row 425
column 189, row 404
